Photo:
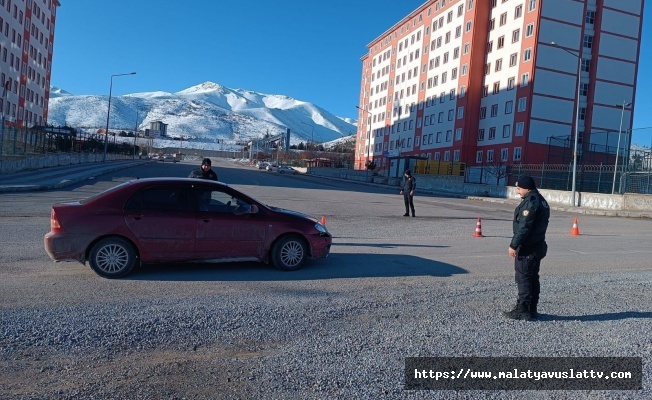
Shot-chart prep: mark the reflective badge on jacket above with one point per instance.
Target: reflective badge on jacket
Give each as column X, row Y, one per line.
column 526, row 213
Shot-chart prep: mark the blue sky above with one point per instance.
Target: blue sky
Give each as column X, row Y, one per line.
column 305, row 49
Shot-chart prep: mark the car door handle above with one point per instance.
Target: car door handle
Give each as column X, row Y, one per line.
column 137, row 217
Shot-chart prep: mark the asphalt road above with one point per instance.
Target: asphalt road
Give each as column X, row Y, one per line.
column 375, row 250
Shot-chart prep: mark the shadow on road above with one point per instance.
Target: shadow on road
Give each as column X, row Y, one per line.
column 596, row 317
column 341, row 265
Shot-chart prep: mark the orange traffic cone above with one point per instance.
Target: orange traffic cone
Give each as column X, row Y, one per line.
column 478, row 229
column 323, row 220
column 576, row 230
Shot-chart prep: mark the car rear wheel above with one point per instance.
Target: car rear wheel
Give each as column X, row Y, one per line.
column 289, row 253
column 112, row 257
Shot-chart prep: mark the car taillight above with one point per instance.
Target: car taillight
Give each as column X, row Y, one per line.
column 54, row 222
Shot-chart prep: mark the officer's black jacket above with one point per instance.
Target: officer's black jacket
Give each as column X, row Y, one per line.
column 530, row 222
column 198, row 173
column 409, row 184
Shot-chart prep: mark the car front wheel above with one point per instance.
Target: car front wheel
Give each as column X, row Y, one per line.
column 112, row 257
column 289, row 253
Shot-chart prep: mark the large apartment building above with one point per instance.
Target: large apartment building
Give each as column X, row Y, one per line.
column 26, row 42
column 482, row 82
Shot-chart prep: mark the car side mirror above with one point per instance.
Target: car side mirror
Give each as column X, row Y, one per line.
column 253, row 209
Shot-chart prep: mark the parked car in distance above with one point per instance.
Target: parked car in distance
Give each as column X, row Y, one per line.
column 287, row 170
column 163, row 220
column 262, row 165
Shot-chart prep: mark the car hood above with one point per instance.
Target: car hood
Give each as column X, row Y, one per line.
column 295, row 213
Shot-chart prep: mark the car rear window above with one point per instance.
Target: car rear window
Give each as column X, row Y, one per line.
column 113, row 189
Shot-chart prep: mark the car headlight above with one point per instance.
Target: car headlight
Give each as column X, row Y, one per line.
column 321, row 228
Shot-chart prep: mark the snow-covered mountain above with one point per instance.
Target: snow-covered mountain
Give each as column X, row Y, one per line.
column 202, row 113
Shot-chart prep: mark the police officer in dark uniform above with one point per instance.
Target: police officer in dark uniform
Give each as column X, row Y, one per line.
column 528, row 247
column 204, row 172
column 409, row 184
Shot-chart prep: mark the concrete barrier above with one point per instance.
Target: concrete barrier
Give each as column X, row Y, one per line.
column 8, row 166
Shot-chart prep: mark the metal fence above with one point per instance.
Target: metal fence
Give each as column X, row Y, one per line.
column 589, row 178
column 20, row 143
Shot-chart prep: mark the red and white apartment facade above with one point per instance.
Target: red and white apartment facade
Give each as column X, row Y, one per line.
column 26, row 43
column 479, row 81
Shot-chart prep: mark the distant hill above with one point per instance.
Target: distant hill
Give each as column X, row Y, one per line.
column 202, row 114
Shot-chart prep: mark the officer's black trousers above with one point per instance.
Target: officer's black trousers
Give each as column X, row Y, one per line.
column 527, row 279
column 409, row 203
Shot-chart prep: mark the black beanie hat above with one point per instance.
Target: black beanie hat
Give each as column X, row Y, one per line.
column 408, row 172
column 526, row 182
column 206, row 161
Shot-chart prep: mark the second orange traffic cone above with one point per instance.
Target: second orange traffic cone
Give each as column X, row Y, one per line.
column 478, row 229
column 576, row 229
column 323, row 220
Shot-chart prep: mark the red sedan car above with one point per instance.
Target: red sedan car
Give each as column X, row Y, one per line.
column 159, row 220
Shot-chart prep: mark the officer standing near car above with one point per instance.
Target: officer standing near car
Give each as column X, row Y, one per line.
column 409, row 184
column 528, row 247
column 204, row 172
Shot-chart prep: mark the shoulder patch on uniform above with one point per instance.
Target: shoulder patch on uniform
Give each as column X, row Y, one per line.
column 526, row 213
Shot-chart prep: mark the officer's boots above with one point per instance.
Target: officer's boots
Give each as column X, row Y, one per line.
column 533, row 311
column 522, row 311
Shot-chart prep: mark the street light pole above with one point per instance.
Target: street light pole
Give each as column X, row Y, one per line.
column 620, row 129
column 577, row 119
column 108, row 114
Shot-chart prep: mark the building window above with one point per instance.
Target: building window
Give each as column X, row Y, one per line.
column 485, row 91
column 462, row 92
column 451, row 95
column 492, row 133
column 447, row 155
column 532, row 5
column 509, row 107
column 438, row 137
column 458, row 31
column 449, row 135
column 584, row 89
column 490, row 46
column 499, row 64
column 460, row 112
column 437, row 156
column 522, row 104
column 586, row 65
column 483, row 112
column 456, row 155
column 496, row 88
column 590, row 17
column 494, row 110
column 527, row 54
column 529, row 30
column 478, row 156
column 519, row 129
column 517, row 154
column 503, row 19
column 487, row 68
column 516, row 35
column 492, row 24
column 588, row 41
column 510, row 83
column 518, row 11
column 468, row 26
column 507, row 131
column 458, row 134
column 582, row 113
column 501, row 42
column 525, row 79
column 451, row 114
column 480, row 135
column 465, row 69
column 504, row 154
column 513, row 59
column 490, row 156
